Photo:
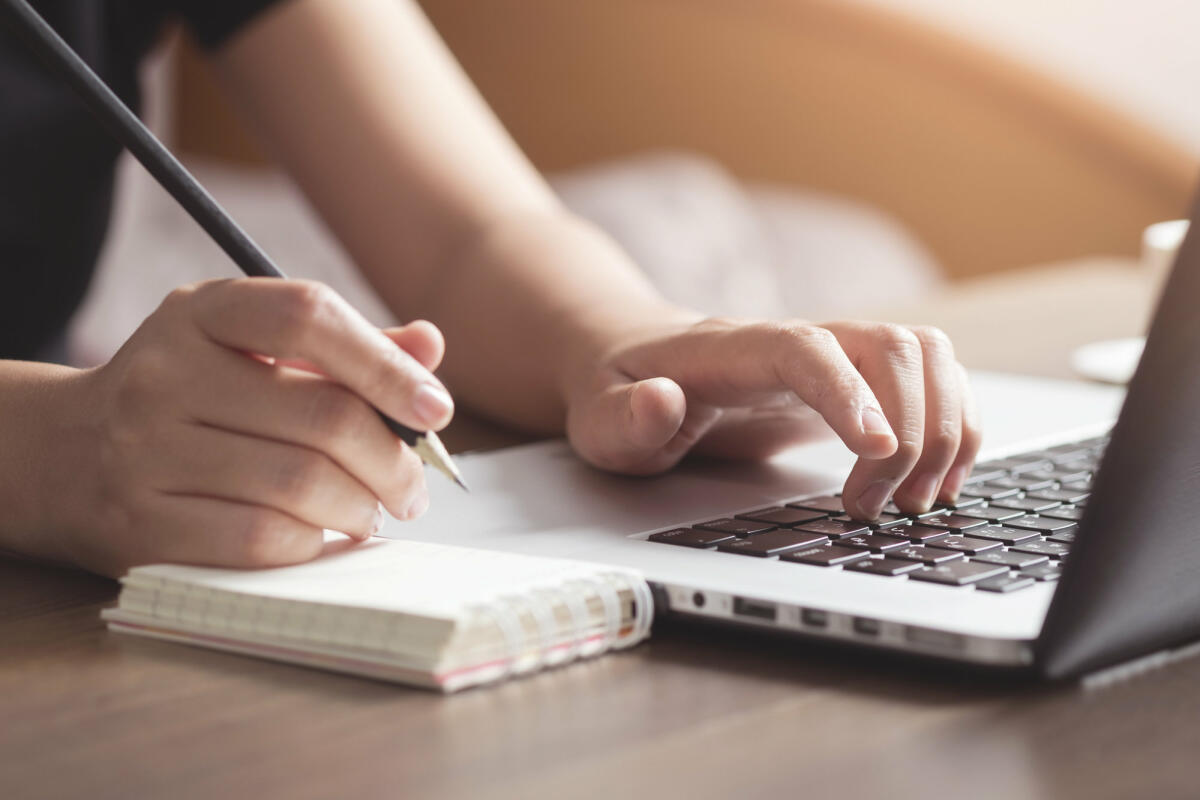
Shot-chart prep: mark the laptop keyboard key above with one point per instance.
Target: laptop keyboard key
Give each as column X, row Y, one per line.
column 1009, row 536
column 876, row 543
column 991, row 513
column 1022, row 484
column 771, row 543
column 1042, row 572
column 919, row 533
column 690, row 537
column 834, row 529
column 1010, row 558
column 736, row 527
column 824, row 555
column 1036, row 522
column 1071, row 513
column 882, row 566
column 1041, row 548
column 925, row 555
column 782, row 516
column 1004, row 584
column 965, row 544
column 954, row 522
column 1063, row 495
column 958, row 573
column 989, row 492
column 1066, row 537
column 831, row 504
column 1030, row 505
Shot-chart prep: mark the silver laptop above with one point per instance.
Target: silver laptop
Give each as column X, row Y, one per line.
column 1075, row 546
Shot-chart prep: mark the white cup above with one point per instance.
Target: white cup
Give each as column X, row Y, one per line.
column 1160, row 245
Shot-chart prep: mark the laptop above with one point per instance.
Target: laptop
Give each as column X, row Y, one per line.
column 1075, row 545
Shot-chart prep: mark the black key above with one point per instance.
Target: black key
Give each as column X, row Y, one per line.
column 965, row 502
column 1010, row 558
column 1008, row 536
column 828, row 503
column 1052, row 549
column 1031, row 465
column 874, row 542
column 1004, row 583
column 1023, row 484
column 1036, row 522
column 958, row 573
column 987, row 491
column 782, row 516
column 834, row 529
column 824, row 555
column 1071, row 513
column 1059, row 475
column 690, row 537
column 889, row 521
column 882, row 566
column 1042, row 572
column 892, row 508
column 737, row 527
column 992, row 513
column 1063, row 495
column 772, row 543
column 925, row 555
column 919, row 533
column 1005, row 464
column 1065, row 537
column 954, row 522
column 965, row 544
column 1030, row 505
column 982, row 473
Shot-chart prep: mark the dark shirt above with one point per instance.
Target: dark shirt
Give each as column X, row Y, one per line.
column 56, row 163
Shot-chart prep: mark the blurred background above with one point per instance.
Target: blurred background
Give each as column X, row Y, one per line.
column 927, row 160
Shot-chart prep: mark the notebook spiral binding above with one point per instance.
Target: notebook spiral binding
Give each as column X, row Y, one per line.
column 520, row 658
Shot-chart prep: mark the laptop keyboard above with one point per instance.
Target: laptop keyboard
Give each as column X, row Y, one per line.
column 1013, row 526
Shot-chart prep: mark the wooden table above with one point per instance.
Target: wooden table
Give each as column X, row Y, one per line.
column 693, row 713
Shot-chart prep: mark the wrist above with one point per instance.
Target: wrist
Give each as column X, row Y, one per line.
column 40, row 473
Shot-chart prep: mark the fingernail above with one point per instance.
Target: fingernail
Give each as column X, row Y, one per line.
column 873, row 498
column 376, row 521
column 875, row 423
column 419, row 506
column 953, row 484
column 432, row 404
column 924, row 489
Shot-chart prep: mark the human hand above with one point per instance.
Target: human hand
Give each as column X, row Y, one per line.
column 237, row 423
column 895, row 395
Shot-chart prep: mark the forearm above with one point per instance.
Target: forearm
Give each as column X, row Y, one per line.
column 432, row 199
column 35, row 423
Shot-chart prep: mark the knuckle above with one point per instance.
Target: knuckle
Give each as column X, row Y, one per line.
column 265, row 540
column 408, row 478
column 812, row 337
column 333, row 412
column 934, row 340
column 299, row 478
column 304, row 302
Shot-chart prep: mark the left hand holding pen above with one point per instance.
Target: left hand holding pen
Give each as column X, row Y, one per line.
column 895, row 395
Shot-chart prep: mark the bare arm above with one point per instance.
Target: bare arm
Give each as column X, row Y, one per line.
column 436, row 204
column 548, row 325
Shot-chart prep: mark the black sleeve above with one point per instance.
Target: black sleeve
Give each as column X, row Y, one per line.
column 214, row 21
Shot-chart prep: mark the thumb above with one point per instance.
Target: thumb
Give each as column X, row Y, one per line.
column 631, row 427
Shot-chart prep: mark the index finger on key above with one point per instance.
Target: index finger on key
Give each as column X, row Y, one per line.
column 296, row 319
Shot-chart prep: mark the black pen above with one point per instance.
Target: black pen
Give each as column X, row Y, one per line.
column 129, row 130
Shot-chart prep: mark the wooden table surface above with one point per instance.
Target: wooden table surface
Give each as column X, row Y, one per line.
column 695, row 712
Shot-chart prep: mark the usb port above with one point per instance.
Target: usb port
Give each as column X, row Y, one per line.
column 753, row 608
column 865, row 626
column 815, row 618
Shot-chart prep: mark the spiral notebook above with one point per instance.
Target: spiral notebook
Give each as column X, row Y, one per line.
column 429, row 615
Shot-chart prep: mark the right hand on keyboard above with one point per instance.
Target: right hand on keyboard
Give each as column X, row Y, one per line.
column 894, row 394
